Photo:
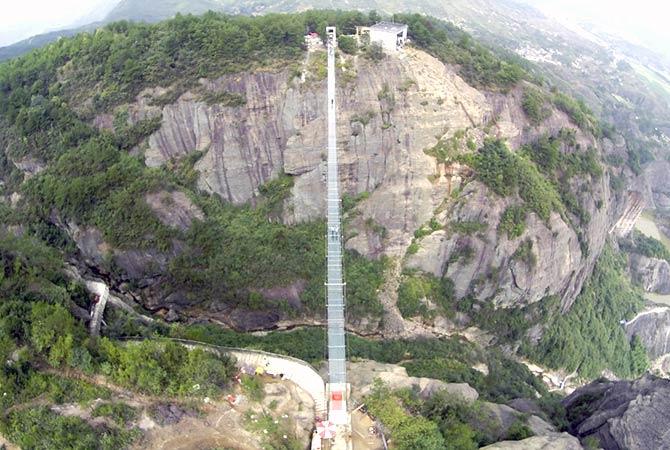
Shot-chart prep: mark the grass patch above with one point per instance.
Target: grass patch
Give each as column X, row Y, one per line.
column 120, row 413
column 468, row 227
column 534, row 104
column 513, row 221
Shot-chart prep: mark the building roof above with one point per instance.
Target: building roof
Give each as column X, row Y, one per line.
column 389, row 27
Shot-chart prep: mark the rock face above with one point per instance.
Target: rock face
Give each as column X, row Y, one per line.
column 554, row 441
column 363, row 374
column 389, row 113
column 622, row 415
column 174, row 209
column 652, row 274
column 555, row 248
column 504, row 416
column 653, row 328
column 658, row 186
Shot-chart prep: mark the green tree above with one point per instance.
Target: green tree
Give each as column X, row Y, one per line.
column 49, row 323
column 347, row 44
column 418, row 433
column 638, row 356
column 460, row 436
column 62, row 352
column 374, row 51
column 534, row 105
column 590, row 338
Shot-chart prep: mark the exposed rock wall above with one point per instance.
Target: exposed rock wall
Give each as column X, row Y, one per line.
column 652, row 274
column 389, row 113
column 658, row 185
column 630, row 415
column 626, row 222
column 653, row 328
column 554, row 441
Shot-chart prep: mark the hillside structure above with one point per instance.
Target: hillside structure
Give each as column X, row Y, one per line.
column 391, row 36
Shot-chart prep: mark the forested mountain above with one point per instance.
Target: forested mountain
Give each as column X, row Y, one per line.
column 176, row 170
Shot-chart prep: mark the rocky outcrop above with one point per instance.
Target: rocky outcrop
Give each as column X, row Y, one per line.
column 496, row 418
column 652, row 274
column 503, row 417
column 626, row 222
column 174, row 209
column 658, row 186
column 363, row 374
column 630, row 415
column 653, row 328
column 554, row 441
column 484, row 264
column 389, row 113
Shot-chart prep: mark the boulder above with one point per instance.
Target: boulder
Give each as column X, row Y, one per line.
column 363, row 373
column 652, row 326
column 631, row 415
column 554, row 441
column 652, row 274
column 174, row 209
column 504, row 416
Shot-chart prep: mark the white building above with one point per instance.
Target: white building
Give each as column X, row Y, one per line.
column 391, row 36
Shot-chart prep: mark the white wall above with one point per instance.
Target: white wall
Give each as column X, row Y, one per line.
column 386, row 39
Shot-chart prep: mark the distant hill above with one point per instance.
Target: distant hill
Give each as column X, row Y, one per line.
column 518, row 29
column 24, row 46
column 157, row 10
column 150, row 11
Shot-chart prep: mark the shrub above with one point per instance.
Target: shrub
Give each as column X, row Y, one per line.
column 534, row 105
column 468, row 227
column 506, row 173
column 580, row 114
column 158, row 367
column 513, row 221
column 347, row 44
column 408, row 432
column 374, row 52
column 224, row 98
column 349, row 202
column 446, row 150
column 253, row 387
column 416, row 287
column 42, row 428
column 525, row 253
column 120, row 413
column 518, row 431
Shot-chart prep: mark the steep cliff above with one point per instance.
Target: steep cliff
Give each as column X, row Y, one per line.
column 652, row 327
column 390, row 113
column 621, row 414
column 446, row 175
column 652, row 274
